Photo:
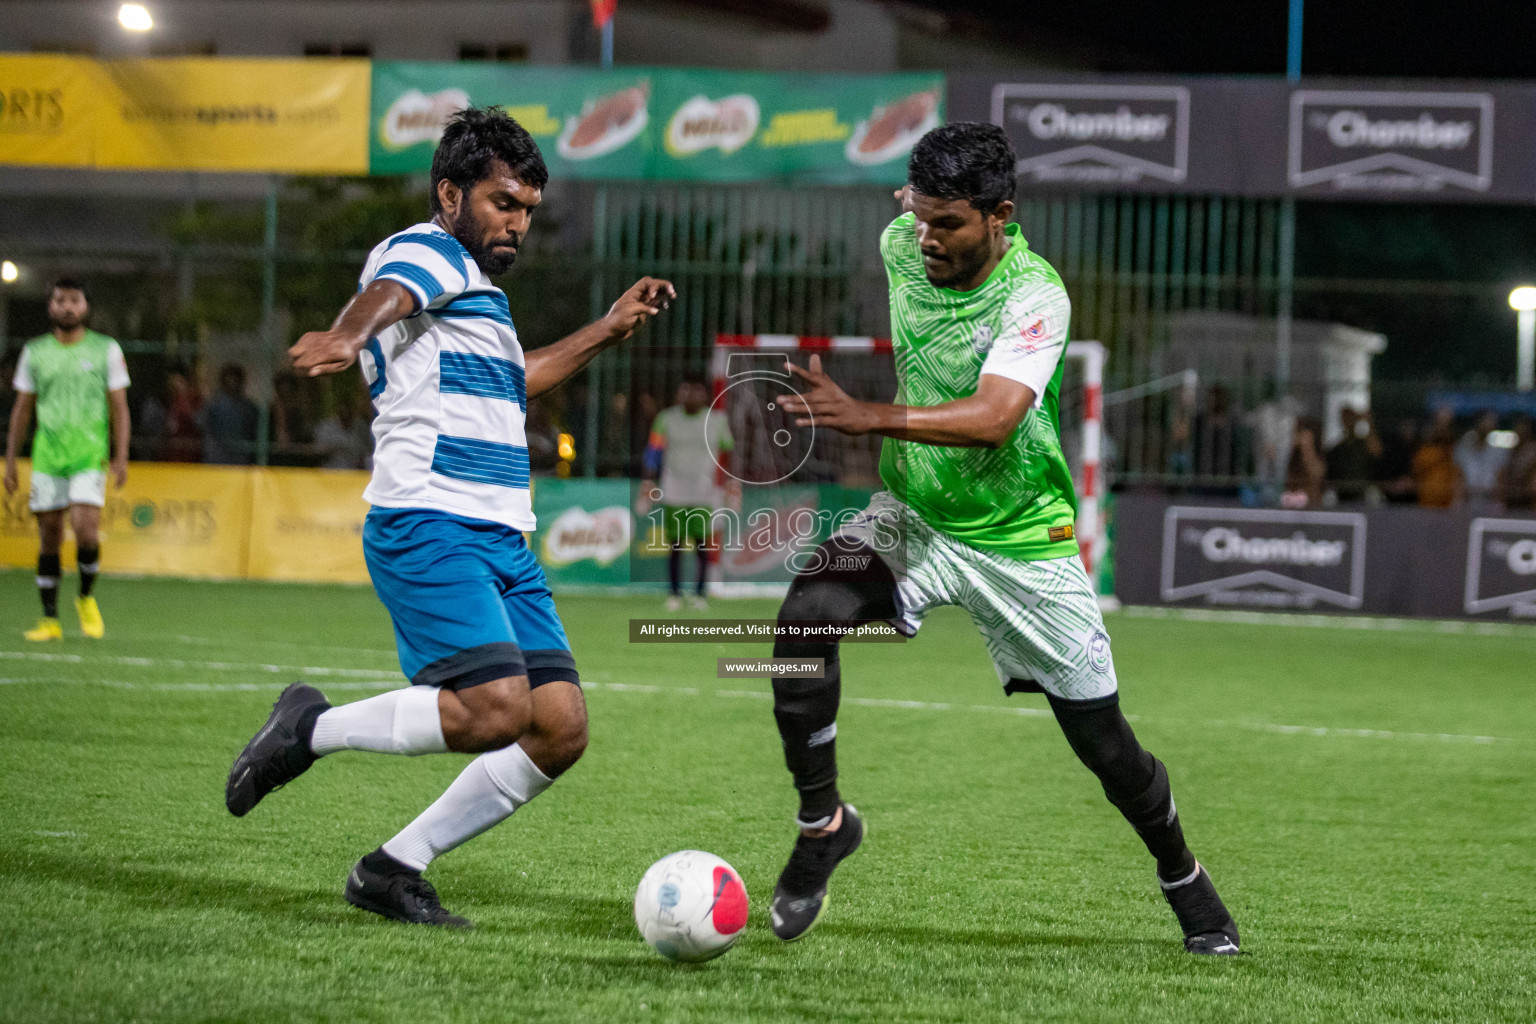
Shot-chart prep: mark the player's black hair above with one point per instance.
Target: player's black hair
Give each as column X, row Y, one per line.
column 68, row 283
column 474, row 138
column 964, row 160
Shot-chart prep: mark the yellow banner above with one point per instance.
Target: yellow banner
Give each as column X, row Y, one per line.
column 169, row 520
column 236, row 114
column 48, row 107
column 307, row 524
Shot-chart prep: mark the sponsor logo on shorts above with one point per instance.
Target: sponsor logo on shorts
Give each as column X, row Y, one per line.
column 1098, row 652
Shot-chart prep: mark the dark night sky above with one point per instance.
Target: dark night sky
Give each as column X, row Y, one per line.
column 1408, row 38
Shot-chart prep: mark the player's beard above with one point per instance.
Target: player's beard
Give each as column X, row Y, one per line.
column 960, row 267
column 466, row 227
column 71, row 321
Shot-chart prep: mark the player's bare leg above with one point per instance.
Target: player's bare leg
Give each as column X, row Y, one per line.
column 85, row 521
column 50, row 538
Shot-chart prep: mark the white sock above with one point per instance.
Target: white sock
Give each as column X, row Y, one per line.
column 398, row 722
column 487, row 792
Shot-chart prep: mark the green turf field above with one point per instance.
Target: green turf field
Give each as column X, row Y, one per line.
column 1363, row 799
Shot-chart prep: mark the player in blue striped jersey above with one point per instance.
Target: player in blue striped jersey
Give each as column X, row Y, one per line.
column 474, row 620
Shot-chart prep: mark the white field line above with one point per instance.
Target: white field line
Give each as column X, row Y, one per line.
column 1367, row 623
column 177, row 663
column 372, row 682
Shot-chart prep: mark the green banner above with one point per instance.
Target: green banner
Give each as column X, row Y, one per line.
column 664, row 123
column 588, row 124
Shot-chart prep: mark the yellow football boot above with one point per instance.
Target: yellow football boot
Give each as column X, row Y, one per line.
column 47, row 628
column 90, row 618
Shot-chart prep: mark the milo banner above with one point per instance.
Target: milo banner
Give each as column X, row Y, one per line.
column 587, row 123
column 665, row 123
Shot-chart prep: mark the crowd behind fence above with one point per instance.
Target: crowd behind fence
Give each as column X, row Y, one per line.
column 208, row 292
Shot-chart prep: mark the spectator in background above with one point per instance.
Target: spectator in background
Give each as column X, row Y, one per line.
column 229, row 421
column 1480, row 462
column 293, row 437
column 543, row 437
column 343, row 439
column 1216, row 435
column 1306, row 470
column 1273, row 425
column 7, row 389
column 1352, row 461
column 1520, row 473
column 182, row 440
column 1394, row 470
column 1436, row 476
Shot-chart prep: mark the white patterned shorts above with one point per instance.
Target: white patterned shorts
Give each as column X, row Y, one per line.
column 1040, row 620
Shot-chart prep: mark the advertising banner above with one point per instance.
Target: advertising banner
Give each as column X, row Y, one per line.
column 838, row 129
column 308, row 525
column 170, row 520
column 588, row 123
column 235, row 114
column 666, row 123
column 585, row 531
column 1379, row 560
column 1349, row 139
column 48, row 108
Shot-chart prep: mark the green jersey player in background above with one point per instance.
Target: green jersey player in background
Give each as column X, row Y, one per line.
column 78, row 382
column 978, row 511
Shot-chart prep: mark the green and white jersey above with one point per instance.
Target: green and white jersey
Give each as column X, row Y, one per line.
column 71, row 384
column 688, row 446
column 1017, row 500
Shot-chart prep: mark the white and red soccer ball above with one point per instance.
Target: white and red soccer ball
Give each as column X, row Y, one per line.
column 691, row 906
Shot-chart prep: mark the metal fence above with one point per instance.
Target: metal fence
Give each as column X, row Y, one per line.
column 197, row 282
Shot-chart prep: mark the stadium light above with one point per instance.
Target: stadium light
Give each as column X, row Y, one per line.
column 1523, row 301
column 9, row 272
column 135, row 18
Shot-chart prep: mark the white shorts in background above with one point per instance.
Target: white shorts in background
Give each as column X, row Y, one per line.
column 52, row 493
column 1040, row 620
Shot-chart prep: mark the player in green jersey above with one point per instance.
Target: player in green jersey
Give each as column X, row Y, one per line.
column 978, row 511
column 78, row 383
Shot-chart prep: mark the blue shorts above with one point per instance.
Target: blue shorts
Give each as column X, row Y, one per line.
column 469, row 601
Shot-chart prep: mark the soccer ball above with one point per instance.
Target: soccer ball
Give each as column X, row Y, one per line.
column 691, row 906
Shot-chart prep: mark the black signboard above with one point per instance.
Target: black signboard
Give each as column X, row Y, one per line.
column 1348, row 139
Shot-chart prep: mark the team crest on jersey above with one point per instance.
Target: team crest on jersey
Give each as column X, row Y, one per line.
column 982, row 339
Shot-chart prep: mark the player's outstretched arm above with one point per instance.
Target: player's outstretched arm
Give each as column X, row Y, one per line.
column 986, row 419
column 21, row 418
column 547, row 367
column 381, row 304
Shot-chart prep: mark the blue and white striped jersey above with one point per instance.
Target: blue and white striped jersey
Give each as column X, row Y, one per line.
column 449, row 386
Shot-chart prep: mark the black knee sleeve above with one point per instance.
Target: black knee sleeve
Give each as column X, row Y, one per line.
column 806, row 709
